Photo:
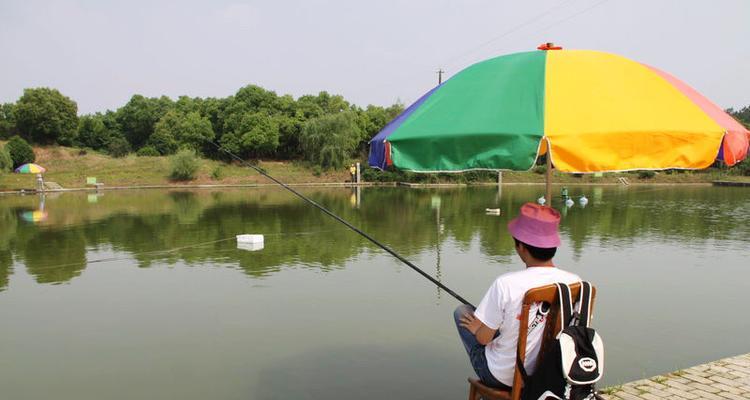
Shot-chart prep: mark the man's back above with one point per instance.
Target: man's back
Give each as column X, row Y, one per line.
column 500, row 309
column 490, row 333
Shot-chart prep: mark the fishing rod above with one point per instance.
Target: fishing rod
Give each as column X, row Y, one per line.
column 345, row 222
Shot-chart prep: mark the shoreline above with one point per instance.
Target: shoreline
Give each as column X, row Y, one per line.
column 724, row 379
column 408, row 185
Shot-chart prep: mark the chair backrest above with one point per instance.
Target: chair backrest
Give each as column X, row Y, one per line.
column 551, row 328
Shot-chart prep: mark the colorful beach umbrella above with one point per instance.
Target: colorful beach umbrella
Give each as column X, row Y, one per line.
column 593, row 111
column 30, row 168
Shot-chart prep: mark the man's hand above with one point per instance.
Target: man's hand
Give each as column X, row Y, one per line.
column 472, row 323
column 482, row 332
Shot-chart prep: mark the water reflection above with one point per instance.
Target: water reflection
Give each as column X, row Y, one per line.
column 194, row 227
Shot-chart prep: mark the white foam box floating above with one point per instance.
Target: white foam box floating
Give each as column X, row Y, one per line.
column 250, row 242
column 249, row 238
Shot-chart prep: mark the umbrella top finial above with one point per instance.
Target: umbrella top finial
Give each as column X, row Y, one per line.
column 549, row 46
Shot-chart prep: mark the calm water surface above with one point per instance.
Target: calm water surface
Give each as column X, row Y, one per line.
column 143, row 294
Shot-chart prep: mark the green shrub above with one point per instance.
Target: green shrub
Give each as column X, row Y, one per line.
column 118, row 147
column 184, row 165
column 646, row 174
column 370, row 175
column 317, row 170
column 742, row 168
column 20, row 151
column 147, row 151
column 6, row 163
column 540, row 169
column 217, row 173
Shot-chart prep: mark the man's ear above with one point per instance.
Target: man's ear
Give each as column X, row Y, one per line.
column 522, row 250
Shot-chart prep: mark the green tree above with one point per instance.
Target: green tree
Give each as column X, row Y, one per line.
column 255, row 98
column 257, row 134
column 6, row 162
column 331, row 104
column 374, row 118
column 330, row 141
column 20, row 151
column 188, row 130
column 7, row 120
column 289, row 131
column 118, row 146
column 45, row 116
column 307, row 107
column 742, row 115
column 92, row 132
column 186, row 104
column 138, row 117
column 163, row 142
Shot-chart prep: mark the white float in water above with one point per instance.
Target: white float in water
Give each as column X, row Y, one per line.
column 250, row 242
column 583, row 200
column 569, row 202
column 250, row 246
column 541, row 200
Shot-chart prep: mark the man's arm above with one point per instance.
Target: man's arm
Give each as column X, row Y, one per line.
column 482, row 332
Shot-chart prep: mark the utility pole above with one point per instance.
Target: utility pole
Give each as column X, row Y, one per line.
column 440, row 75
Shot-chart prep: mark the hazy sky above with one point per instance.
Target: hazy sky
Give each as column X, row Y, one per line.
column 100, row 53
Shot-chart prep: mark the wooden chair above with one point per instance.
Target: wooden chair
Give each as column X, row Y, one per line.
column 547, row 293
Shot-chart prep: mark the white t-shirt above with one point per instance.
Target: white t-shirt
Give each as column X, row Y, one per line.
column 501, row 309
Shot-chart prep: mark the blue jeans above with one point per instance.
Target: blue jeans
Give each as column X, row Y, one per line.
column 475, row 350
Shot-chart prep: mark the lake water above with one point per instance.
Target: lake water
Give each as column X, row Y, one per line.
column 143, row 294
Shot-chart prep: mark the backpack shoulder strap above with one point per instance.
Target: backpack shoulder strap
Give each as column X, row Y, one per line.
column 584, row 315
column 566, row 305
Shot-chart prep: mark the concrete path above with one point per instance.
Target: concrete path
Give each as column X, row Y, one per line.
column 726, row 379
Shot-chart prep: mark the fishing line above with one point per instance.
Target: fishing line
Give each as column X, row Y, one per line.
column 343, row 221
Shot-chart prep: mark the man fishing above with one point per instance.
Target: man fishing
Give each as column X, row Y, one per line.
column 490, row 333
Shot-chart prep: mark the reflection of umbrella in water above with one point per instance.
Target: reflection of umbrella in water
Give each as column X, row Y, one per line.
column 595, row 111
column 34, row 216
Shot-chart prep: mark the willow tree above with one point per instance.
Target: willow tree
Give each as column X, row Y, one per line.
column 330, row 140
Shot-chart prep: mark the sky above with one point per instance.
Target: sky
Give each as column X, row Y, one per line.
column 100, row 53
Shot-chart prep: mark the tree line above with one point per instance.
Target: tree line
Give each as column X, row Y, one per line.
column 324, row 129
column 255, row 123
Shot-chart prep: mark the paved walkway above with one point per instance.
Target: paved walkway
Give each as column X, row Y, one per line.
column 726, row 379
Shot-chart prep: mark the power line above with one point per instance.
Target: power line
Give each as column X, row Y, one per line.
column 509, row 31
column 451, row 60
column 574, row 15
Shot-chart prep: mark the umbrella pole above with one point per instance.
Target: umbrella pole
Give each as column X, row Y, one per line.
column 548, row 177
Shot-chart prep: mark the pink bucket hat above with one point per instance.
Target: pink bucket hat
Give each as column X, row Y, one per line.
column 536, row 225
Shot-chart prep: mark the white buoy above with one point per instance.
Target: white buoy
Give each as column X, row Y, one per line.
column 250, row 242
column 569, row 202
column 583, row 200
column 541, row 200
column 249, row 238
column 250, row 246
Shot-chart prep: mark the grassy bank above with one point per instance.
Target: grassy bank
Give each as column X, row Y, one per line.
column 69, row 167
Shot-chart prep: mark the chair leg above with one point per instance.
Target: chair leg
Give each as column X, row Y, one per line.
column 472, row 392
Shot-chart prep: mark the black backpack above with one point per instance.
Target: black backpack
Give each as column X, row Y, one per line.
column 571, row 367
